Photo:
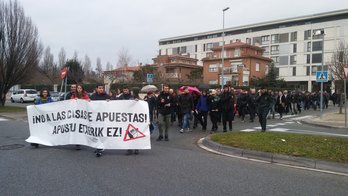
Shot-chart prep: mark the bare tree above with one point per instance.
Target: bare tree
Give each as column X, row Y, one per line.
column 87, row 66
column 108, row 66
column 61, row 58
column 124, row 58
column 99, row 69
column 338, row 60
column 20, row 48
column 48, row 67
column 76, row 56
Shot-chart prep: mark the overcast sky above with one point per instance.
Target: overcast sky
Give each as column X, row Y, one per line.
column 101, row 28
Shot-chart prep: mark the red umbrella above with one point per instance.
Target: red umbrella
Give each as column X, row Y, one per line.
column 190, row 89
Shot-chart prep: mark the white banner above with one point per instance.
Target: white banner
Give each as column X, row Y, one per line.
column 120, row 124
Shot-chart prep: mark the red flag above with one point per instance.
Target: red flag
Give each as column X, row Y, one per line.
column 64, row 72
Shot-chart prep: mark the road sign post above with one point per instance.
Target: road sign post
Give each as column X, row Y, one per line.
column 321, row 76
column 149, row 78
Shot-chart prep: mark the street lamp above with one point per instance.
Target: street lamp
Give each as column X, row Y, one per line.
column 223, row 47
column 317, row 33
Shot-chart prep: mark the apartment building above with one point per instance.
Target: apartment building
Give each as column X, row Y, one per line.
column 291, row 43
column 242, row 62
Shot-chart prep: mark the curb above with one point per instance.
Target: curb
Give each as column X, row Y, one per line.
column 278, row 159
column 322, row 125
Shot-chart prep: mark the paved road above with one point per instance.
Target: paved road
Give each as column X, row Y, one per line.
column 177, row 167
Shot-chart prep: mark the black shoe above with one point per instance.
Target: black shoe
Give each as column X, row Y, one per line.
column 99, row 152
column 159, row 138
column 166, row 138
column 136, row 152
column 34, row 145
column 224, row 130
column 263, row 130
column 129, row 152
column 230, row 129
column 77, row 147
column 251, row 121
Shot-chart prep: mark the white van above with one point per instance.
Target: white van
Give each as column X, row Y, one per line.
column 23, row 95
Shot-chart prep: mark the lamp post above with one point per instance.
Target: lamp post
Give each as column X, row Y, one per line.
column 321, row 32
column 223, row 47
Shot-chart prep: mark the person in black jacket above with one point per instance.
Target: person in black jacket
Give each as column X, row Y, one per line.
column 251, row 104
column 164, row 102
column 126, row 95
column 186, row 104
column 227, row 101
column 214, row 109
column 98, row 96
column 263, row 101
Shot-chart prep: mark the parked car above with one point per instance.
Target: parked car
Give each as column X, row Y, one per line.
column 23, row 95
column 55, row 95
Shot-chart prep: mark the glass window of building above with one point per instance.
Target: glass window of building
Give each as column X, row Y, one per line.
column 308, row 59
column 275, row 38
column 293, row 60
column 294, row 71
column 294, row 48
column 293, row 36
column 257, row 67
column 236, row 52
column 307, row 34
column 309, row 47
column 317, row 58
column 317, row 46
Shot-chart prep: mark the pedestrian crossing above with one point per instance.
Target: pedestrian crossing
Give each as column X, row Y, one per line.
column 287, row 120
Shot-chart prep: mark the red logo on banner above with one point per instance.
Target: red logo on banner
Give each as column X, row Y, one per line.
column 132, row 133
column 63, row 72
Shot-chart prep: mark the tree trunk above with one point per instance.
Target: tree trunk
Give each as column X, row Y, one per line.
column 341, row 104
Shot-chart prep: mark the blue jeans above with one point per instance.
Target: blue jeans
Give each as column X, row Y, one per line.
column 186, row 120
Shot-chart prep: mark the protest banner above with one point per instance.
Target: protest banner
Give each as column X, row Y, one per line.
column 121, row 124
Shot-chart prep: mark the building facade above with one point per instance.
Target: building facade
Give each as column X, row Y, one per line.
column 291, row 43
column 242, row 62
column 175, row 68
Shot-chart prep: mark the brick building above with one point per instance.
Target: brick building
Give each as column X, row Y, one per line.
column 242, row 62
column 175, row 68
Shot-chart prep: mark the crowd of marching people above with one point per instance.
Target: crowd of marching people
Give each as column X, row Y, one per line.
column 189, row 105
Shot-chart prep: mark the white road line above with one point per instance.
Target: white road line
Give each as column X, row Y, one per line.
column 302, row 117
column 279, row 130
column 248, row 130
column 3, row 119
column 289, row 122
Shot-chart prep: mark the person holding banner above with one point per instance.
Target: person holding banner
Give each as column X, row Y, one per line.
column 126, row 95
column 72, row 91
column 80, row 94
column 44, row 98
column 98, row 96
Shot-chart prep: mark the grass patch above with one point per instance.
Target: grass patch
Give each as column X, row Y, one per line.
column 309, row 146
column 12, row 109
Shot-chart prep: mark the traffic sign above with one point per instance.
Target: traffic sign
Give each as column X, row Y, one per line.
column 322, row 76
column 149, row 78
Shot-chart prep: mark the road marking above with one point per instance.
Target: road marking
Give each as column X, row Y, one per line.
column 302, row 117
column 248, row 130
column 279, row 130
column 200, row 144
column 3, row 119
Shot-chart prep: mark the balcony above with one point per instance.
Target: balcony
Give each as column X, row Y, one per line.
column 230, row 70
column 171, row 75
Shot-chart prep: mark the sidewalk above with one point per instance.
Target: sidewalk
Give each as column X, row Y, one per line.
column 330, row 119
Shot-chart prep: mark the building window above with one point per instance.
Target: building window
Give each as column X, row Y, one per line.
column 293, row 36
column 275, row 49
column 275, row 59
column 195, row 48
column 213, row 67
column 257, row 67
column 308, row 61
column 314, row 70
column 265, row 39
column 294, row 71
column 284, row 37
column 309, row 46
column 266, row 49
column 275, row 38
column 236, row 52
column 307, row 35
column 308, row 70
column 317, row 46
column 293, row 60
column 317, row 58
column 248, row 40
column 294, row 48
column 284, row 60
